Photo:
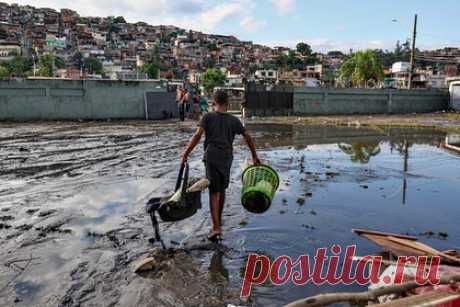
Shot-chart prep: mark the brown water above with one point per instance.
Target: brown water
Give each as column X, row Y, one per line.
column 72, row 208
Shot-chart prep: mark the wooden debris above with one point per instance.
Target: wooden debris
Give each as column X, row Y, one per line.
column 401, row 245
column 368, row 296
column 146, row 264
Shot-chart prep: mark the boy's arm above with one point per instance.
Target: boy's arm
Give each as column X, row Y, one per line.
column 192, row 144
column 252, row 147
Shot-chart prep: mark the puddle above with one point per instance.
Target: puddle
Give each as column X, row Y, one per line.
column 75, row 206
column 397, row 180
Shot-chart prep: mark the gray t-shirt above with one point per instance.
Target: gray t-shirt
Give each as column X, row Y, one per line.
column 220, row 130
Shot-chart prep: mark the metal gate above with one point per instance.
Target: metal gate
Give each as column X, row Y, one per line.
column 274, row 102
column 455, row 96
column 160, row 105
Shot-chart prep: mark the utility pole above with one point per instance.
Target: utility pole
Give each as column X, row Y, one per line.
column 412, row 55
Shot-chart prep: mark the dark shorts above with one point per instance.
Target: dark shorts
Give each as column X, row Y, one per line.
column 218, row 176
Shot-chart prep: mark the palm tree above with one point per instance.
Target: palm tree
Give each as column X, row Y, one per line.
column 362, row 67
column 360, row 152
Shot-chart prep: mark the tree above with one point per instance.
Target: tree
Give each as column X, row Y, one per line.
column 48, row 63
column 4, row 73
column 360, row 152
column 119, row 19
column 282, row 60
column 363, row 66
column 92, row 66
column 151, row 70
column 212, row 47
column 335, row 53
column 19, row 66
column 3, row 34
column 402, row 51
column 304, row 49
column 209, row 62
column 293, row 61
column 212, row 78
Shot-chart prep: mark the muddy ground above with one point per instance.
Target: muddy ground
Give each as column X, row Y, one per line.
column 73, row 223
column 445, row 121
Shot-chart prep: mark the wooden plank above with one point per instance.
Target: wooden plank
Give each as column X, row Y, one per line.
column 401, row 245
column 385, row 234
column 433, row 298
column 428, row 250
column 394, row 247
column 425, row 248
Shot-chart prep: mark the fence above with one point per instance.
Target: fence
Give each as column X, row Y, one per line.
column 331, row 101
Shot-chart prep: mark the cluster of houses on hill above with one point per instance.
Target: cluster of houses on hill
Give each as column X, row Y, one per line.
column 123, row 48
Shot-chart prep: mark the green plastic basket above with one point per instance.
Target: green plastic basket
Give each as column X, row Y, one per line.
column 260, row 183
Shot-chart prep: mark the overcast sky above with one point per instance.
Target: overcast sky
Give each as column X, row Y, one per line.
column 324, row 24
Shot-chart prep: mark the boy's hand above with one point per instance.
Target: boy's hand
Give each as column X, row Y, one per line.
column 256, row 161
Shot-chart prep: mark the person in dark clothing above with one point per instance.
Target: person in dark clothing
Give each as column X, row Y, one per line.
column 219, row 128
column 183, row 101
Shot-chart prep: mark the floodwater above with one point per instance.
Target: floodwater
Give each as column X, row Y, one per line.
column 73, row 222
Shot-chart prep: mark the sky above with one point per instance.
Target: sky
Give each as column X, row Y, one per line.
column 325, row 24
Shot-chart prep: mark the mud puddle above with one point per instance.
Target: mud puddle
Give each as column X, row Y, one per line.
column 72, row 219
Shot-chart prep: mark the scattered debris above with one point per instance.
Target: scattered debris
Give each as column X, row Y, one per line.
column 301, row 201
column 46, row 212
column 24, row 227
column 4, row 226
column 6, row 218
column 443, row 235
column 402, row 245
column 147, row 264
column 31, row 211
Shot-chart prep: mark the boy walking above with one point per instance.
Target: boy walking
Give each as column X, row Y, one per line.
column 219, row 128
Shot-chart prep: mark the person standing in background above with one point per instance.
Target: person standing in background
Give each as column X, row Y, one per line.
column 204, row 106
column 196, row 106
column 182, row 100
column 186, row 100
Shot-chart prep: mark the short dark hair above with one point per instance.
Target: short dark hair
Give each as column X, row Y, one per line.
column 221, row 97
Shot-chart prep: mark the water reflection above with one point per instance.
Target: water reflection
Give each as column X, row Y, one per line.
column 218, row 273
column 360, row 152
column 452, row 142
column 375, row 172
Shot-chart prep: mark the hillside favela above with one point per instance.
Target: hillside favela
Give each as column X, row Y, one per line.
column 229, row 153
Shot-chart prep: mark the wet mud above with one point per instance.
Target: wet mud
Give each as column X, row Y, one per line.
column 73, row 221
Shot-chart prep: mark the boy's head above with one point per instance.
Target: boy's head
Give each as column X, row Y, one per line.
column 221, row 98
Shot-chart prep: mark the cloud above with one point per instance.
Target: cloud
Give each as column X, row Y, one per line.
column 284, row 6
column 249, row 24
column 210, row 18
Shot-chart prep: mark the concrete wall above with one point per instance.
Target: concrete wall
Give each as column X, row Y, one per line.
column 322, row 101
column 74, row 99
column 334, row 101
